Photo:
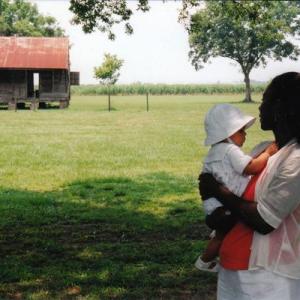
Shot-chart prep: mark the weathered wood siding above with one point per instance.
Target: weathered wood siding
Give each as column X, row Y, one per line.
column 17, row 85
column 12, row 85
column 54, row 85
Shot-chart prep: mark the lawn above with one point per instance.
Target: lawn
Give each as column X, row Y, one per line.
column 104, row 205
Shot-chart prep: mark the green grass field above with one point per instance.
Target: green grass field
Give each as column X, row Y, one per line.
column 104, row 205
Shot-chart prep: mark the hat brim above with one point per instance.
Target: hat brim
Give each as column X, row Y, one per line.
column 246, row 122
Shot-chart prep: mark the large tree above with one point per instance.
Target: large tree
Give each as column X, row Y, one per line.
column 103, row 14
column 21, row 18
column 247, row 32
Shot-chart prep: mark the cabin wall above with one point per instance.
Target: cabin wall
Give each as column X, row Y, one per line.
column 54, row 85
column 17, row 85
column 12, row 85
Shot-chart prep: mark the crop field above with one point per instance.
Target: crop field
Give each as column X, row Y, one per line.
column 104, row 205
column 165, row 89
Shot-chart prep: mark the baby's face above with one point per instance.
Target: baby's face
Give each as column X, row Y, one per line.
column 239, row 137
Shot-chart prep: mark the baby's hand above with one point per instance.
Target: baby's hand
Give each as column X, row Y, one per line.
column 272, row 149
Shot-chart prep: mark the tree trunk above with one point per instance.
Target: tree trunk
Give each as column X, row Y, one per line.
column 248, row 89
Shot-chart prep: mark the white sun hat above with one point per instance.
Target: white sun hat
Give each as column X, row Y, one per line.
column 222, row 121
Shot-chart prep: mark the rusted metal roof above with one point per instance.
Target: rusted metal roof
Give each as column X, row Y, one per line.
column 34, row 52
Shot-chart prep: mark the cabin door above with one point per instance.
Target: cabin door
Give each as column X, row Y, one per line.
column 33, row 84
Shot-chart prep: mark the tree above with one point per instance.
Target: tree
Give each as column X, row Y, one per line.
column 108, row 72
column 103, row 14
column 22, row 18
column 247, row 32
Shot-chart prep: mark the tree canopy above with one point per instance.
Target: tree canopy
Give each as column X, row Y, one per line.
column 247, row 32
column 108, row 73
column 103, row 14
column 22, row 18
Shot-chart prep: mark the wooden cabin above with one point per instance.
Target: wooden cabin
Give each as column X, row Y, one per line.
column 35, row 70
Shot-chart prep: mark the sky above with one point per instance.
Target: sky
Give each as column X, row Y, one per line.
column 157, row 51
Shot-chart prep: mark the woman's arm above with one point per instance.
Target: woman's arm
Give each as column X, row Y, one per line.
column 245, row 211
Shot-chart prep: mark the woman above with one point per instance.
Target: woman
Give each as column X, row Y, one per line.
column 271, row 269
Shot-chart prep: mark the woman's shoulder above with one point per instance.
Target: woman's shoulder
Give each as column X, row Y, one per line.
column 290, row 156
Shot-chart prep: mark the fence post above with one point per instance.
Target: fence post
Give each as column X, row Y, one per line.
column 108, row 101
column 147, row 100
column 109, row 98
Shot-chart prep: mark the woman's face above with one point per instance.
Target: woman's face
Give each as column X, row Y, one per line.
column 266, row 110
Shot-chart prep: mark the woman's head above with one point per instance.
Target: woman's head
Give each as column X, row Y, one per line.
column 280, row 108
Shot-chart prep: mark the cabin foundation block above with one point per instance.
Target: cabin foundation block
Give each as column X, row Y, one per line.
column 12, row 105
column 34, row 105
column 63, row 104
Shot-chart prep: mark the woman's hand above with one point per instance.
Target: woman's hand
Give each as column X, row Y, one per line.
column 245, row 211
column 208, row 186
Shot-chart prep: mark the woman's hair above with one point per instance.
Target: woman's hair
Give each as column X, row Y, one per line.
column 285, row 91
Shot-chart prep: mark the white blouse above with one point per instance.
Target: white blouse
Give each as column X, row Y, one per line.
column 278, row 202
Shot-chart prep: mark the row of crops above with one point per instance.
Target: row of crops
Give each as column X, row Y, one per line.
column 164, row 89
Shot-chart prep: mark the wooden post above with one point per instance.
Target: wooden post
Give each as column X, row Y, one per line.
column 147, row 101
column 108, row 101
column 34, row 103
column 109, row 107
column 63, row 104
column 12, row 105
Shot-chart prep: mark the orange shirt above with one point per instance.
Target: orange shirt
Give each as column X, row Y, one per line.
column 235, row 250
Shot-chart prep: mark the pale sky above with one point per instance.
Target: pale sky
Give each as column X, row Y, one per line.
column 157, row 52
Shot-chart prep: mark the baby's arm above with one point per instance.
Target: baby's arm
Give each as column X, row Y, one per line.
column 257, row 164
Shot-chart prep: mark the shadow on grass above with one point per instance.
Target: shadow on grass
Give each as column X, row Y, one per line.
column 110, row 238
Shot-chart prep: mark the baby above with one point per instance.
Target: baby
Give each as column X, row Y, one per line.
column 225, row 127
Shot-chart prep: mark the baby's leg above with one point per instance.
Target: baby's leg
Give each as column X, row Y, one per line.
column 212, row 249
column 222, row 222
